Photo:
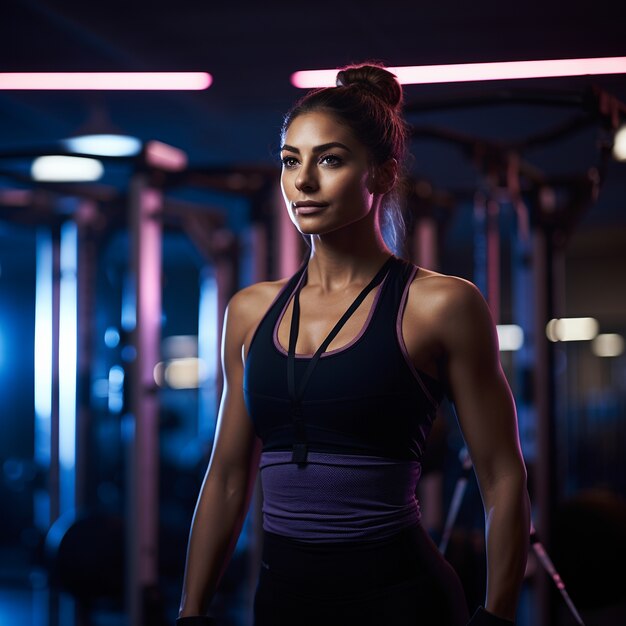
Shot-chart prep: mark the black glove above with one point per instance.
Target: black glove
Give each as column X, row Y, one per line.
column 485, row 618
column 196, row 620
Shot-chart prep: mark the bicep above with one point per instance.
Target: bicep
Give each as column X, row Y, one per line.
column 479, row 390
column 236, row 447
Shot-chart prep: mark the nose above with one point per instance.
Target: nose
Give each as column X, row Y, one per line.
column 306, row 179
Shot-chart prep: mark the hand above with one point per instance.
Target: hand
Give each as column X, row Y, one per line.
column 484, row 618
column 196, row 620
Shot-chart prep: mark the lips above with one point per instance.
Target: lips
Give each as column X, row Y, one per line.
column 308, row 207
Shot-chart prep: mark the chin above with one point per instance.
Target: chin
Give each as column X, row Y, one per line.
column 327, row 229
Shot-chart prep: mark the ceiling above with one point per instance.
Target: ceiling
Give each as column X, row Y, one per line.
column 251, row 48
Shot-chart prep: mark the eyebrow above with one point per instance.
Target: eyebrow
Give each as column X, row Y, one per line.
column 321, row 148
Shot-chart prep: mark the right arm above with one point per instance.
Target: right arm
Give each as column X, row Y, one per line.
column 227, row 488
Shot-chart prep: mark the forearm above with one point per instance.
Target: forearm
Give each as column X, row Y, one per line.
column 507, row 531
column 217, row 522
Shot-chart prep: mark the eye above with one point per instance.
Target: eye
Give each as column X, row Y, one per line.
column 331, row 160
column 289, row 162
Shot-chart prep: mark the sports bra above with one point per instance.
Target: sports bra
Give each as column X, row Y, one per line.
column 363, row 398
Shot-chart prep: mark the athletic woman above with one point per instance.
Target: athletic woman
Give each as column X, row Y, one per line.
column 332, row 380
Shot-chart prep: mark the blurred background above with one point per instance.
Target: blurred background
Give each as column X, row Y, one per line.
column 114, row 278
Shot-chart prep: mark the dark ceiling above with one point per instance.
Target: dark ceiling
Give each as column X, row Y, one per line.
column 251, row 48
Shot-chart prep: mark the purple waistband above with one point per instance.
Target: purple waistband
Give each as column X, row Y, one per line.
column 338, row 497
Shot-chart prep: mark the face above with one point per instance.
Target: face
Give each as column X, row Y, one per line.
column 326, row 174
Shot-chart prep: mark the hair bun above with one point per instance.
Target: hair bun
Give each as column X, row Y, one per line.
column 374, row 78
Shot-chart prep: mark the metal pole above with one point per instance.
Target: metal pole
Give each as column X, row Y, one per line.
column 544, row 401
column 425, row 253
column 260, row 251
column 493, row 259
column 480, row 243
column 288, row 242
column 425, row 242
column 143, row 462
column 223, row 278
column 86, row 283
column 54, row 484
column 208, row 353
column 259, row 242
column 548, row 565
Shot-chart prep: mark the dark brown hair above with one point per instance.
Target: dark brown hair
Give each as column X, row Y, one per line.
column 368, row 99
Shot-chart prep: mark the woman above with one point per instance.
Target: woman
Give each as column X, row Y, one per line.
column 332, row 380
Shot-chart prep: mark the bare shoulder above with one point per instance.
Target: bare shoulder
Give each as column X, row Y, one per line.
column 248, row 306
column 448, row 306
column 442, row 293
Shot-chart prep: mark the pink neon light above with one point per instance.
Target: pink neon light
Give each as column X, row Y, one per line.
column 133, row 81
column 462, row 72
column 169, row 158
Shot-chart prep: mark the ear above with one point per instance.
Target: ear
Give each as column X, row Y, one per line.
column 383, row 177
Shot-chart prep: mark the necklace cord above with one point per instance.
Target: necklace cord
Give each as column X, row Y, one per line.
column 300, row 447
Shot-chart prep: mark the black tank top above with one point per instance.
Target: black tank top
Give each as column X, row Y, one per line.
column 365, row 398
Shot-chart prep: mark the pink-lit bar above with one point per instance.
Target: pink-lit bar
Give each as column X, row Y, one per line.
column 466, row 72
column 107, row 81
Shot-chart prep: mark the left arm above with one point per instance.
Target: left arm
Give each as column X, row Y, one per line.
column 486, row 412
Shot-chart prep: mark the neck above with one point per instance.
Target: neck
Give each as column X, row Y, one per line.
column 350, row 255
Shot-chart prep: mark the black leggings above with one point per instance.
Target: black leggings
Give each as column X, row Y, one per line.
column 399, row 581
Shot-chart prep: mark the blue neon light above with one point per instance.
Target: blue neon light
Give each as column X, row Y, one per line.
column 68, row 321
column 43, row 347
